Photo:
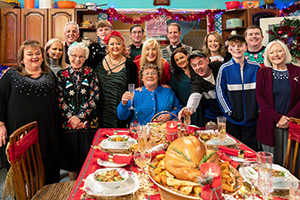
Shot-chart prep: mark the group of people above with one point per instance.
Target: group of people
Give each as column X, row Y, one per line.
column 72, row 89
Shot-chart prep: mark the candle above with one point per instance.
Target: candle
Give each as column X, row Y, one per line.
column 211, row 180
column 172, row 130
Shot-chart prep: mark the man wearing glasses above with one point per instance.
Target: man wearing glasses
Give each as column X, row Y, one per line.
column 136, row 35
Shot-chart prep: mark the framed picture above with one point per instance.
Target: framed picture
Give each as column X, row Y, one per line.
column 266, row 24
column 161, row 2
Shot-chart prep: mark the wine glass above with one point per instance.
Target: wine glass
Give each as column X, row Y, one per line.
column 249, row 167
column 187, row 117
column 221, row 128
column 134, row 127
column 142, row 139
column 131, row 88
column 142, row 160
column 264, row 181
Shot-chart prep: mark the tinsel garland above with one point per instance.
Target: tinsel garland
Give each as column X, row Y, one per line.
column 290, row 9
column 210, row 14
column 288, row 31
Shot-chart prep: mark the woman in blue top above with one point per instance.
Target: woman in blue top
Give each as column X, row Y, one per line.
column 150, row 100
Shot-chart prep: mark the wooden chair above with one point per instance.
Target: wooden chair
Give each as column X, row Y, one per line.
column 294, row 137
column 23, row 152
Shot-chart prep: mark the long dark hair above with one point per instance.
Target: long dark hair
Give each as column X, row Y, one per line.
column 177, row 70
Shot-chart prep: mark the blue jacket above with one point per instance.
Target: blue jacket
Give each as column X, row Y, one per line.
column 146, row 104
column 237, row 98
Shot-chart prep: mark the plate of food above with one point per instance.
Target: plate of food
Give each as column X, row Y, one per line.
column 177, row 170
column 107, row 144
column 228, row 141
column 92, row 186
column 280, row 176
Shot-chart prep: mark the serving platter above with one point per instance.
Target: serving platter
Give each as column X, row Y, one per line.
column 171, row 190
column 130, row 186
column 228, row 141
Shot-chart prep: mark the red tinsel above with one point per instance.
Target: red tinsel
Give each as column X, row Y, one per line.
column 290, row 9
column 210, row 14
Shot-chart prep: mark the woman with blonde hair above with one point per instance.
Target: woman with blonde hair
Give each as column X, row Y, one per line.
column 151, row 54
column 278, row 96
column 54, row 54
column 214, row 48
column 114, row 72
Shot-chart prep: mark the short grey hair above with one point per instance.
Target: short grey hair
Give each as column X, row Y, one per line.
column 71, row 22
column 288, row 56
column 78, row 45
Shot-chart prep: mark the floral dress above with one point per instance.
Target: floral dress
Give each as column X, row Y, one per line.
column 78, row 93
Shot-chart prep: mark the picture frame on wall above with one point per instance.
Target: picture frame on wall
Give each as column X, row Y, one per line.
column 161, row 2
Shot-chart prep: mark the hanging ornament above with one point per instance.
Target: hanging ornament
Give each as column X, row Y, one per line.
column 160, row 21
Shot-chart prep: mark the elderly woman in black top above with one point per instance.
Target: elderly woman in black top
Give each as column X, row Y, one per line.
column 78, row 95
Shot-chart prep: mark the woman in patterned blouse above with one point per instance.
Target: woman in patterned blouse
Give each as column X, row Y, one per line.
column 78, row 95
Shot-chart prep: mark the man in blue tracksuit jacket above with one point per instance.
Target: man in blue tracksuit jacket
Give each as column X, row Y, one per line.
column 235, row 90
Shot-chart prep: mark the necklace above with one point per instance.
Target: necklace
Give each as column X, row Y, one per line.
column 114, row 63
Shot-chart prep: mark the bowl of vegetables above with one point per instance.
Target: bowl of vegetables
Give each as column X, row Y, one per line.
column 279, row 174
column 118, row 140
column 110, row 178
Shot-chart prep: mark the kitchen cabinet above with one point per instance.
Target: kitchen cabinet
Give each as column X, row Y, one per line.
column 82, row 15
column 18, row 25
column 249, row 17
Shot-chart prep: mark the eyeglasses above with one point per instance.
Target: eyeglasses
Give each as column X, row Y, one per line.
column 148, row 74
column 75, row 57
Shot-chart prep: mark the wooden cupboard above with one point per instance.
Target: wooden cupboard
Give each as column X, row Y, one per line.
column 249, row 17
column 18, row 25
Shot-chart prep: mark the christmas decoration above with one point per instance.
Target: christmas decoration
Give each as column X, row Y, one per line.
column 290, row 9
column 210, row 14
column 288, row 31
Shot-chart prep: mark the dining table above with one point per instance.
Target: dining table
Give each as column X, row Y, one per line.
column 150, row 190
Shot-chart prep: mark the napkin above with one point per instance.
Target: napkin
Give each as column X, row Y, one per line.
column 223, row 157
column 235, row 152
column 121, row 159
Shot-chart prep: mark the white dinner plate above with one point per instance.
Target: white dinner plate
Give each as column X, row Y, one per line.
column 228, row 141
column 236, row 158
column 281, row 185
column 106, row 144
column 108, row 164
column 131, row 185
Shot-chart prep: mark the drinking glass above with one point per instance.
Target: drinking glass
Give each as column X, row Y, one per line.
column 187, row 117
column 142, row 160
column 221, row 128
column 134, row 127
column 249, row 167
column 131, row 88
column 264, row 181
column 295, row 190
column 143, row 138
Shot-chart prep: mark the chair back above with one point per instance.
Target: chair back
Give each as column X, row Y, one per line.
column 294, row 139
column 24, row 154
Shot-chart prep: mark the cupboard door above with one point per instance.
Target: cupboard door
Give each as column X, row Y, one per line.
column 9, row 36
column 34, row 24
column 57, row 20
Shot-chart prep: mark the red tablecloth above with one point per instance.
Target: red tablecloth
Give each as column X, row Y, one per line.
column 90, row 165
